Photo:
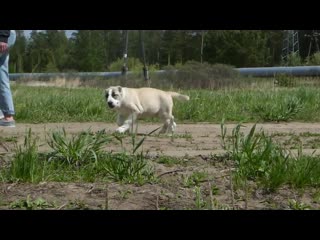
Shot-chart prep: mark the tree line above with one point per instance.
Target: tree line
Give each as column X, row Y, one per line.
column 98, row 50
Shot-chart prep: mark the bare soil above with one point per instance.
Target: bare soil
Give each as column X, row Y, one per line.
column 196, row 147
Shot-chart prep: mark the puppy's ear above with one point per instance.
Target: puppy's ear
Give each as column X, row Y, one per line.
column 119, row 89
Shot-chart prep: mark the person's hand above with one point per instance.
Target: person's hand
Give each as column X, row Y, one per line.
column 3, row 47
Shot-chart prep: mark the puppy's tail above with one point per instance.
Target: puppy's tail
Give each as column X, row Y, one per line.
column 179, row 96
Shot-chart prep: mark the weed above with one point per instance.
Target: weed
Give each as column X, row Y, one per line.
column 199, row 202
column 285, row 111
column 26, row 165
column 129, row 169
column 195, row 179
column 30, row 204
column 81, row 148
column 257, row 157
column 296, row 205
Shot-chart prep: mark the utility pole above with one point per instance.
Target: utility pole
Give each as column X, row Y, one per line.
column 313, row 39
column 124, row 69
column 145, row 68
column 201, row 51
column 290, row 44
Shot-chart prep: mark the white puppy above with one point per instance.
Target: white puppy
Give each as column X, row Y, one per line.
column 134, row 103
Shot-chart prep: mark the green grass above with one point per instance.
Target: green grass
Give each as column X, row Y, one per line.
column 309, row 134
column 199, row 202
column 285, row 111
column 82, row 158
column 259, row 159
column 129, row 169
column 30, row 204
column 85, row 146
column 8, row 139
column 77, row 158
column 26, row 164
column 195, row 179
column 296, row 205
column 169, row 161
column 52, row 104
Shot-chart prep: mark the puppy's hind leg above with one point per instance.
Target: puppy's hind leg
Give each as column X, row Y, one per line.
column 172, row 125
column 168, row 118
column 165, row 126
column 169, row 126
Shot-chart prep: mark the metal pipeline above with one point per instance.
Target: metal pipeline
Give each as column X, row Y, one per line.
column 254, row 72
column 272, row 71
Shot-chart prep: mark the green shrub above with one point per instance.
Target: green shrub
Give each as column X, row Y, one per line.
column 85, row 147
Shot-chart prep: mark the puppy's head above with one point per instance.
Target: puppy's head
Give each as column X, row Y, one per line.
column 113, row 96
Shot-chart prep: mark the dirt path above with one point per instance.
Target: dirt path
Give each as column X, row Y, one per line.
column 190, row 139
column 192, row 143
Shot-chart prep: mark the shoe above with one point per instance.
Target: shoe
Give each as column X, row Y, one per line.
column 6, row 123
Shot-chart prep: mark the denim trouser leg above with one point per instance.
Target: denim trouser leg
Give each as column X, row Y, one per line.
column 6, row 101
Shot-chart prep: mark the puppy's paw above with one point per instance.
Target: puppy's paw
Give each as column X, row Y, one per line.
column 121, row 129
column 173, row 127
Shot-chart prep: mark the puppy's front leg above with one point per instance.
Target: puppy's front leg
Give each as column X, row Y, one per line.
column 120, row 119
column 136, row 108
column 127, row 124
column 123, row 126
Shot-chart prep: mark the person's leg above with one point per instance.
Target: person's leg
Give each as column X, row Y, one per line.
column 6, row 101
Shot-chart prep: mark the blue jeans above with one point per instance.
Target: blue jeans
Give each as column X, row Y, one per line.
column 6, row 101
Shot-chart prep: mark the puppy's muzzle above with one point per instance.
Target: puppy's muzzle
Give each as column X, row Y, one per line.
column 110, row 104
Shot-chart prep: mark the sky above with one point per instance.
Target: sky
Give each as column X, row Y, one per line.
column 68, row 32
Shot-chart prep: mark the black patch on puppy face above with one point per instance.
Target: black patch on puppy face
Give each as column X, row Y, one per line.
column 115, row 93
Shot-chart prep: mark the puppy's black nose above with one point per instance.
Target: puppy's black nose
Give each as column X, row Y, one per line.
column 110, row 104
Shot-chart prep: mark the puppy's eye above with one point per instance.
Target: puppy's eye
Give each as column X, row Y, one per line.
column 114, row 95
column 107, row 95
